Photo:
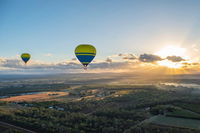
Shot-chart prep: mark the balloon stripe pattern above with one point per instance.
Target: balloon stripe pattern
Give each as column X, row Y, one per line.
column 85, row 53
column 25, row 57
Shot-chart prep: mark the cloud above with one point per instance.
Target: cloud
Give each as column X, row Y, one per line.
column 74, row 59
column 109, row 60
column 120, row 54
column 119, row 62
column 128, row 56
column 110, row 66
column 17, row 66
column 175, row 58
column 195, row 63
column 149, row 58
column 10, row 63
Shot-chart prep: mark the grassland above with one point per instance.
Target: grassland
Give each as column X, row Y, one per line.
column 182, row 113
column 175, row 122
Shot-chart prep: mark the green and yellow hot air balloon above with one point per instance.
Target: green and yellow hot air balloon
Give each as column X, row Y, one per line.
column 85, row 53
column 25, row 57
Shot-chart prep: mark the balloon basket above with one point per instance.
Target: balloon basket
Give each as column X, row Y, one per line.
column 85, row 68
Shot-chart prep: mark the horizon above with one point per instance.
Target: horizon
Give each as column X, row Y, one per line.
column 99, row 66
column 130, row 36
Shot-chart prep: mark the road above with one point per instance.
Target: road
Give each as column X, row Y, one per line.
column 23, row 130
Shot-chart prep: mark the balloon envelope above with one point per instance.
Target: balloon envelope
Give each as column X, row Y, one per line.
column 85, row 53
column 25, row 57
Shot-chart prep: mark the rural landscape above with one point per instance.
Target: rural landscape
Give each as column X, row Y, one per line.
column 99, row 66
column 71, row 105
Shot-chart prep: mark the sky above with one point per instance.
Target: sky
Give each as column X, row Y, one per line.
column 50, row 30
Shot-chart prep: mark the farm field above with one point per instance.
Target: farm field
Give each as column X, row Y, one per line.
column 175, row 122
column 45, row 96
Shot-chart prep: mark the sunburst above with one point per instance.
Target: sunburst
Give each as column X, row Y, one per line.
column 171, row 50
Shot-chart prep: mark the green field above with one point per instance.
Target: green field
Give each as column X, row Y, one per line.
column 175, row 122
column 183, row 114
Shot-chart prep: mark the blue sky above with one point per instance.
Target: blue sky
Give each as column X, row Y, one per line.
column 112, row 26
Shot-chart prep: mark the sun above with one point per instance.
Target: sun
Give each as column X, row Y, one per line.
column 171, row 50
column 170, row 64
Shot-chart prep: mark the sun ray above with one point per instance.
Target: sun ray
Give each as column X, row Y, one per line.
column 172, row 50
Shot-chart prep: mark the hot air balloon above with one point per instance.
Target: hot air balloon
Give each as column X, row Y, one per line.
column 25, row 57
column 85, row 54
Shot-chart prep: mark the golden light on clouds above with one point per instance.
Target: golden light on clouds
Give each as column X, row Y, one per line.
column 172, row 50
column 170, row 64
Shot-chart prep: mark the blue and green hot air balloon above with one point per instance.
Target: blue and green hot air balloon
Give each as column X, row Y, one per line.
column 25, row 57
column 85, row 53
